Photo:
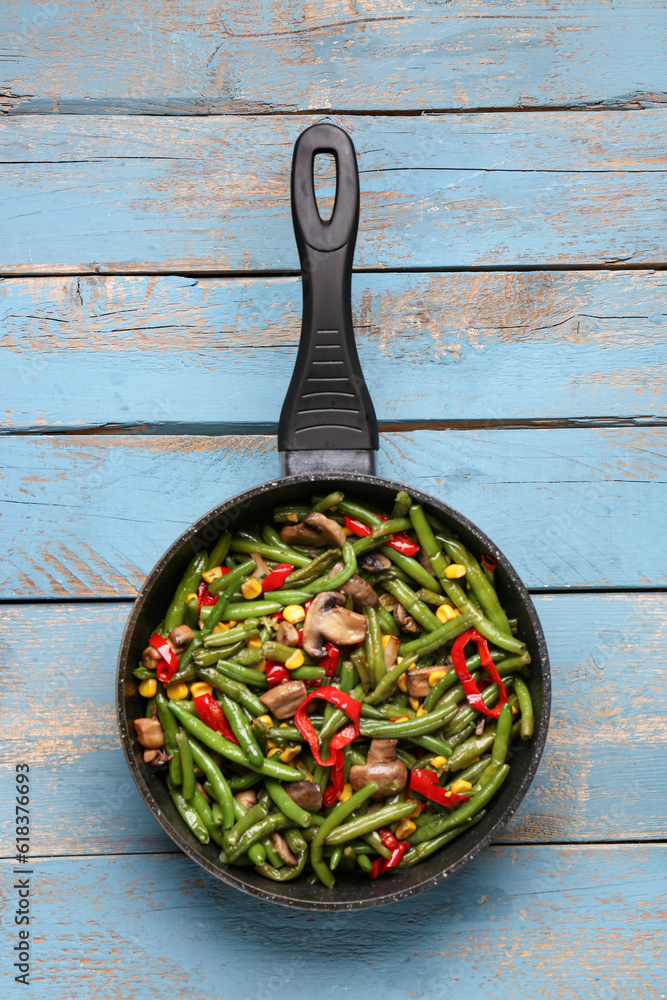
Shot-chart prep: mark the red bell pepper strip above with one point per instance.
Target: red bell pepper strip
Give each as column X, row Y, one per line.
column 330, row 662
column 276, row 577
column 210, row 712
column 376, row 868
column 397, row 848
column 488, row 562
column 205, row 598
column 299, row 633
column 472, row 692
column 169, row 665
column 399, row 540
column 335, row 786
column 276, row 673
column 340, row 699
column 425, row 782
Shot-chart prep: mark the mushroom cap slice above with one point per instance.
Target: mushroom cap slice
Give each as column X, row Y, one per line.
column 150, row 733
column 316, row 529
column 405, row 620
column 374, row 562
column 307, row 794
column 327, row 620
column 359, row 589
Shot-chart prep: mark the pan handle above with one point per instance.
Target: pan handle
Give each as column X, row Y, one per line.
column 327, row 421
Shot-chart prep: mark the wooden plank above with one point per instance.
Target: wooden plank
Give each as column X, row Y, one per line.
column 604, row 758
column 150, row 58
column 495, row 346
column 571, row 922
column 87, row 195
column 89, row 516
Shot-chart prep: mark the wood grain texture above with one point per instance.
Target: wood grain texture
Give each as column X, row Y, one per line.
column 569, row 922
column 496, row 346
column 173, row 58
column 87, row 195
column 603, row 764
column 89, row 516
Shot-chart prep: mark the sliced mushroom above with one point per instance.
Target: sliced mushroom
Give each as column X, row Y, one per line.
column 417, row 681
column 287, row 634
column 381, row 766
column 359, row 589
column 149, row 733
column 422, row 558
column 327, row 619
column 247, row 798
column 390, row 651
column 307, row 794
column 388, row 602
column 405, row 620
column 261, row 569
column 315, row 529
column 374, row 562
column 281, row 847
column 157, row 758
column 479, row 728
column 284, row 699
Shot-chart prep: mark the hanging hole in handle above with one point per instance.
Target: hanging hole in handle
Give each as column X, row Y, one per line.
column 324, row 184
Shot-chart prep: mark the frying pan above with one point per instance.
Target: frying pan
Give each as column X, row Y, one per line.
column 327, row 438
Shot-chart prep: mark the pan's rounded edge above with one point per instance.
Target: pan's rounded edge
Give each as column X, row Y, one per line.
column 381, row 891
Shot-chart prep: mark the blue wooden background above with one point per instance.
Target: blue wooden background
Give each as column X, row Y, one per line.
column 510, row 302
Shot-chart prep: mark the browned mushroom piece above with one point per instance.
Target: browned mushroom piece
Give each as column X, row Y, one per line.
column 315, row 529
column 156, row 758
column 287, row 634
column 390, row 774
column 307, row 794
column 359, row 589
column 388, row 602
column 422, row 558
column 261, row 569
column 180, row 637
column 149, row 733
column 281, row 847
column 284, row 699
column 390, row 651
column 327, row 619
column 374, row 562
column 405, row 620
column 150, row 657
column 479, row 728
column 417, row 681
column 247, row 798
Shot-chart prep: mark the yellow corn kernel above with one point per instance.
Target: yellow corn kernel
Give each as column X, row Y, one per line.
column 415, row 703
column 515, row 710
column 421, row 711
column 251, row 588
column 272, row 745
column 266, row 720
column 255, row 643
column 438, row 762
column 212, row 574
column 284, row 725
column 348, row 531
column 402, row 718
column 231, row 623
column 460, row 785
column 289, row 753
column 178, row 691
column 221, row 627
column 446, row 613
column 404, row 828
column 199, row 688
column 293, row 516
column 402, row 683
column 435, row 676
column 148, row 687
column 346, row 792
column 295, row 660
column 191, row 597
column 293, row 613
column 261, row 666
column 399, row 659
column 417, row 811
column 455, row 571
column 385, row 640
column 273, row 751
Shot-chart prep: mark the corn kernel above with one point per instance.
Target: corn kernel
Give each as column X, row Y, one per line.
column 435, row 676
column 404, row 828
column 421, row 711
column 272, row 745
column 293, row 516
column 385, row 640
column 455, row 571
column 178, row 691
column 221, row 627
column 348, row 531
column 446, row 613
column 231, row 623
column 460, row 785
column 191, row 597
column 402, row 718
column 293, row 613
column 438, row 762
column 399, row 659
column 289, row 753
column 200, row 688
column 251, row 588
column 346, row 792
column 415, row 703
column 266, row 720
column 284, row 725
column 261, row 666
column 148, row 687
column 295, row 660
column 402, row 683
column 515, row 710
column 273, row 751
column 255, row 643
column 212, row 574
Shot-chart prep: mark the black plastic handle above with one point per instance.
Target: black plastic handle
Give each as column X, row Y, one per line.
column 327, row 420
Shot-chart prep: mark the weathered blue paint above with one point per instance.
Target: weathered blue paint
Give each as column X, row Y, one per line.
column 167, row 195
column 166, row 58
column 128, row 351
column 88, row 516
column 157, row 927
column 57, row 711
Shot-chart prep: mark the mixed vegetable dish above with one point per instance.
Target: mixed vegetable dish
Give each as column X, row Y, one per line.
column 336, row 691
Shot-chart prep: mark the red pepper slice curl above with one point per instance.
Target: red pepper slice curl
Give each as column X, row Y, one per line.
column 210, row 712
column 165, row 670
column 276, row 577
column 340, row 699
column 472, row 692
column 399, row 540
column 330, row 662
column 397, row 848
column 425, row 782
column 276, row 673
column 204, row 597
column 488, row 562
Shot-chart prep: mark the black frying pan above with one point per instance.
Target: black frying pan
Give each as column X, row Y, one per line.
column 327, row 437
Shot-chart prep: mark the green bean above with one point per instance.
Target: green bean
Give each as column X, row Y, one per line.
column 270, row 823
column 383, row 688
column 419, row 611
column 299, row 847
column 225, row 586
column 456, row 816
column 188, row 783
column 525, row 707
column 387, row 622
column 247, row 819
column 433, row 640
column 220, row 789
column 220, row 550
column 432, row 743
column 170, row 729
column 237, row 690
column 269, row 766
column 216, row 811
column 327, row 502
column 251, row 609
column 286, row 804
column 248, row 630
column 189, row 582
column 358, row 658
column 238, row 720
column 430, row 597
column 373, row 646
column 413, row 727
column 281, row 514
column 402, row 504
column 461, row 735
column 428, row 847
column 142, row 673
column 473, row 772
column 244, row 675
column 364, row 862
column 503, row 729
column 474, row 747
column 371, row 821
column 248, row 546
column 206, row 816
column 336, row 581
column 340, row 812
column 271, row 537
column 410, row 566
column 188, row 814
column 468, row 714
column 319, row 565
column 334, row 858
column 242, row 781
column 443, row 685
column 280, row 652
column 307, row 673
